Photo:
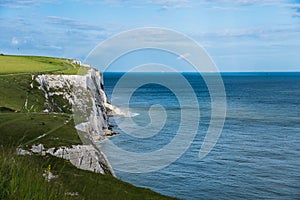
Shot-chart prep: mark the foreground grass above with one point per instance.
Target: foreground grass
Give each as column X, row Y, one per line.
column 22, row 175
column 22, row 179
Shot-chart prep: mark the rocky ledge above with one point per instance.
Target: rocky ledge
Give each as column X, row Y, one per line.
column 84, row 157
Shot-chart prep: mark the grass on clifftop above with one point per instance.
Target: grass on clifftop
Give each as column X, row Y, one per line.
column 36, row 64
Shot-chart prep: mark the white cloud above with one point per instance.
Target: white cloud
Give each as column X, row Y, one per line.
column 15, row 41
column 261, row 32
column 223, row 8
column 249, row 2
column 72, row 23
column 295, row 6
column 165, row 4
column 23, row 3
column 295, row 14
column 48, row 47
column 175, row 3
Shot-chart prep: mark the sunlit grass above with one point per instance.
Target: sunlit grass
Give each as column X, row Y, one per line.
column 10, row 64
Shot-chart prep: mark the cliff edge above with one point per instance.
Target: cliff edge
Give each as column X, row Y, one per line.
column 84, row 97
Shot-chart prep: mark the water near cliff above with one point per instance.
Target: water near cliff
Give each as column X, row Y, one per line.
column 257, row 155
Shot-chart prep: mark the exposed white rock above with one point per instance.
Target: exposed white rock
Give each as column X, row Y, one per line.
column 90, row 108
column 76, row 62
column 23, row 152
column 32, row 79
column 72, row 194
column 37, row 148
column 85, row 94
column 25, row 104
column 85, row 157
column 46, row 111
column 49, row 175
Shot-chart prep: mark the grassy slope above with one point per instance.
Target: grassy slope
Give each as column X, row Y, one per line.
column 15, row 89
column 36, row 64
column 18, row 127
column 25, row 128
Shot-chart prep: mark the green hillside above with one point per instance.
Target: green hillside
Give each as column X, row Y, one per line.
column 36, row 64
column 22, row 123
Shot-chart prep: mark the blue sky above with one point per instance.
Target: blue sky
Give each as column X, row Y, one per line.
column 239, row 35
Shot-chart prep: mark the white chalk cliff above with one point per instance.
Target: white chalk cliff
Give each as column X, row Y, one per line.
column 84, row 96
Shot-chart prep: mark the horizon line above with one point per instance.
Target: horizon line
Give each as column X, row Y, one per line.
column 202, row 72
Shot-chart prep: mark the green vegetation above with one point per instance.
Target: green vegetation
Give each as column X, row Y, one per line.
column 15, row 89
column 21, row 178
column 27, row 128
column 22, row 124
column 36, row 64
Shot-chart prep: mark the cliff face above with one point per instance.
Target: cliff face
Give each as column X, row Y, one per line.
column 84, row 97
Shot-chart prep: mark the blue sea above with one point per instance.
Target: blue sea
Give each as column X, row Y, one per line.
column 257, row 155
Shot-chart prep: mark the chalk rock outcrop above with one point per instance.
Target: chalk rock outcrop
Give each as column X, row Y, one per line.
column 84, row 96
column 84, row 157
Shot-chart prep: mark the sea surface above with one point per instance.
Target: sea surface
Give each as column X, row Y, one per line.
column 257, row 155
